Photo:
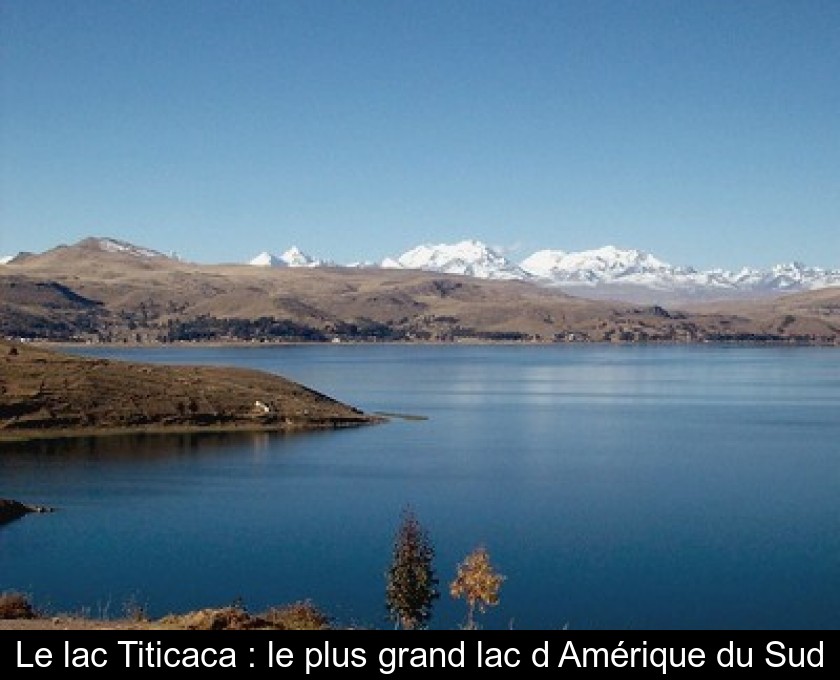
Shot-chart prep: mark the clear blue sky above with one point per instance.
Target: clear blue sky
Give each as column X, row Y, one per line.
column 705, row 132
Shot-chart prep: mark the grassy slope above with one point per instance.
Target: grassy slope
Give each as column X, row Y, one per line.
column 47, row 393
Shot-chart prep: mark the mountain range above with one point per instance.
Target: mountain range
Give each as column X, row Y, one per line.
column 106, row 290
column 602, row 273
column 607, row 272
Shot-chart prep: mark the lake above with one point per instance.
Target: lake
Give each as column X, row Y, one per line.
column 616, row 487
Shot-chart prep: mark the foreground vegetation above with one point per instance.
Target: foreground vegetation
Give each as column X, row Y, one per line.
column 410, row 592
column 303, row 615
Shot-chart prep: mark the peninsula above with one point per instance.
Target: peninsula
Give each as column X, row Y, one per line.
column 11, row 509
column 47, row 393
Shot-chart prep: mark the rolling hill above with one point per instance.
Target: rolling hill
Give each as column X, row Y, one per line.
column 97, row 291
column 48, row 393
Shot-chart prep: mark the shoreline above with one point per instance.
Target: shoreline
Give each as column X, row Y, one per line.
column 242, row 344
column 11, row 510
column 73, row 433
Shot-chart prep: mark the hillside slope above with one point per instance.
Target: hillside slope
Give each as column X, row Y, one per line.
column 94, row 294
column 48, row 393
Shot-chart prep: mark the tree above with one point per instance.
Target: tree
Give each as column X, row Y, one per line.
column 478, row 583
column 411, row 587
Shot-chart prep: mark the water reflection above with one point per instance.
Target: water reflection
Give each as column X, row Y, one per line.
column 63, row 472
column 143, row 447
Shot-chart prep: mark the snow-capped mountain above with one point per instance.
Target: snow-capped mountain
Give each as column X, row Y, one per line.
column 293, row 257
column 470, row 258
column 597, row 266
column 113, row 245
column 92, row 244
column 791, row 276
column 266, row 259
column 613, row 272
column 607, row 272
column 610, row 266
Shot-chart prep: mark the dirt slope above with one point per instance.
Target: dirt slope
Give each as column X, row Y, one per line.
column 46, row 393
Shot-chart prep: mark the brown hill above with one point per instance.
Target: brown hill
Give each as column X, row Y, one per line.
column 813, row 314
column 87, row 292
column 47, row 393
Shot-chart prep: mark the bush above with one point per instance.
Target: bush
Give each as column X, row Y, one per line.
column 16, row 606
column 297, row 616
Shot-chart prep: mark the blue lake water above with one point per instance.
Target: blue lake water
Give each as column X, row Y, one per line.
column 615, row 487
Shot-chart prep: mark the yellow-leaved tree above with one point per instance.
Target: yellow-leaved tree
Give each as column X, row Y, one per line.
column 478, row 583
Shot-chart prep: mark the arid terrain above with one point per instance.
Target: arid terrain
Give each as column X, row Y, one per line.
column 44, row 392
column 17, row 613
column 85, row 293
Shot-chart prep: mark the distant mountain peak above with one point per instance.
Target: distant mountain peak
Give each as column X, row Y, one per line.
column 113, row 245
column 592, row 266
column 293, row 257
column 266, row 259
column 468, row 257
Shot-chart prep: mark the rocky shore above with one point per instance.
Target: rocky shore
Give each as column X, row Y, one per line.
column 11, row 510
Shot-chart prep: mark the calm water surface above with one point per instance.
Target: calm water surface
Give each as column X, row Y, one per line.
column 615, row 487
